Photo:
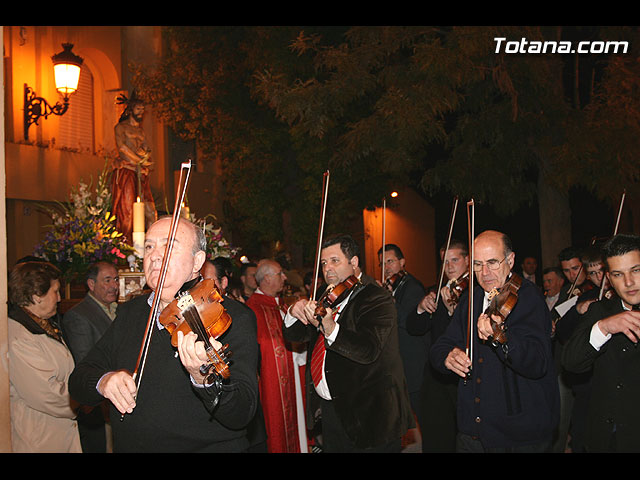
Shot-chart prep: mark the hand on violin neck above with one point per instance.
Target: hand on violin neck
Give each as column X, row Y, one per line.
column 193, row 354
column 485, row 328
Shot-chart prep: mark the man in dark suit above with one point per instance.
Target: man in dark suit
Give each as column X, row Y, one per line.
column 357, row 385
column 430, row 319
column 529, row 270
column 605, row 342
column 407, row 292
column 508, row 400
column 82, row 327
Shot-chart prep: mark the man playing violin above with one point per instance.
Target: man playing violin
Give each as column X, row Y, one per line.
column 355, row 379
column 175, row 408
column 605, row 342
column 407, row 292
column 587, row 291
column 508, row 396
column 429, row 320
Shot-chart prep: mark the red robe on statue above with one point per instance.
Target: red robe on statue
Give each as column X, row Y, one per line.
column 282, row 402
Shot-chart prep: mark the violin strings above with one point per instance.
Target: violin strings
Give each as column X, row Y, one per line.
column 194, row 321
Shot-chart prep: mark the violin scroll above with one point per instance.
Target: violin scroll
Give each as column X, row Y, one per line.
column 334, row 295
column 457, row 287
column 502, row 303
column 394, row 280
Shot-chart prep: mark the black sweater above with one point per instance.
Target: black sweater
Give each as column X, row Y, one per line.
column 171, row 415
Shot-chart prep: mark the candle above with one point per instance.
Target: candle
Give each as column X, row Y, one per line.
column 185, row 212
column 138, row 243
column 138, row 216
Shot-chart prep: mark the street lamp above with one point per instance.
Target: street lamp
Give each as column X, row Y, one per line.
column 66, row 69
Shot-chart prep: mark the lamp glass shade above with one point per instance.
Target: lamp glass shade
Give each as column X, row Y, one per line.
column 66, row 69
column 67, row 77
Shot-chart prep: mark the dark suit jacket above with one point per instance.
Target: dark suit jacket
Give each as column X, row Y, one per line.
column 615, row 389
column 83, row 325
column 363, row 369
column 413, row 349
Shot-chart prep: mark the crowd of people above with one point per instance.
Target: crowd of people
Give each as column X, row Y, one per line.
column 499, row 356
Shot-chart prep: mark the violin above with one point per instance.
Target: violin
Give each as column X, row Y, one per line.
column 334, row 295
column 502, row 303
column 585, row 287
column 456, row 288
column 199, row 310
column 394, row 280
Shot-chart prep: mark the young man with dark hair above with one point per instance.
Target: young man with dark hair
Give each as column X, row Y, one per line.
column 606, row 341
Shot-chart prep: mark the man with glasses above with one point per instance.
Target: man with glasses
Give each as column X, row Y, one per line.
column 280, row 380
column 508, row 398
column 605, row 342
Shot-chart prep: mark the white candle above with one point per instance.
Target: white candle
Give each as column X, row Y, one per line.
column 138, row 243
column 138, row 216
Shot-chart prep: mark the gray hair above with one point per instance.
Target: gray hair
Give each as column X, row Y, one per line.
column 266, row 266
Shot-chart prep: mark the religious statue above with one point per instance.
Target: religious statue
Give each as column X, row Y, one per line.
column 130, row 176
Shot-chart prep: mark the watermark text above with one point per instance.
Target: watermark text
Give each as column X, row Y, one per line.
column 548, row 46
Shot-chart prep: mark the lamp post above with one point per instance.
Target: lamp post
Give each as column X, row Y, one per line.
column 66, row 69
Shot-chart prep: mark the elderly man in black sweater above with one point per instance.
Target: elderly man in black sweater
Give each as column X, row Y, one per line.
column 174, row 408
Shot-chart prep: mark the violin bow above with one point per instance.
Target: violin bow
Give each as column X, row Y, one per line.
column 144, row 349
column 444, row 257
column 384, row 229
column 471, row 229
column 615, row 232
column 323, row 211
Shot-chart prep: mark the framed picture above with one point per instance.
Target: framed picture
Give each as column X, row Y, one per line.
column 131, row 285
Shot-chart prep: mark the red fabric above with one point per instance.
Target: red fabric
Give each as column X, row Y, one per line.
column 317, row 360
column 124, row 192
column 276, row 383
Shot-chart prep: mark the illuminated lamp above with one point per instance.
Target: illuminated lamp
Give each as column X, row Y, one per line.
column 66, row 69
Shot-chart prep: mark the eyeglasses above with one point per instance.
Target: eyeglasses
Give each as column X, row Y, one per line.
column 492, row 264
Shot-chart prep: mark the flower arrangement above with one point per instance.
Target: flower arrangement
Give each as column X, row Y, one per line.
column 83, row 231
column 217, row 245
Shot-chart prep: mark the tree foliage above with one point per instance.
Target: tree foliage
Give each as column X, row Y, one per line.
column 429, row 106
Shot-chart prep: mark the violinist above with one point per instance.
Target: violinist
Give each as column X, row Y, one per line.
column 407, row 292
column 355, row 379
column 175, row 408
column 593, row 267
column 605, row 342
column 429, row 320
column 571, row 263
column 580, row 383
column 511, row 401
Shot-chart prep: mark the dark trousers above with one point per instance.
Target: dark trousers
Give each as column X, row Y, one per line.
column 468, row 444
column 91, row 428
column 335, row 440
